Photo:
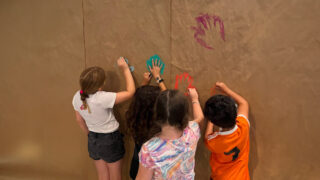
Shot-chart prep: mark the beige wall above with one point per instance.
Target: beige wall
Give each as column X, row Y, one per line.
column 42, row 54
column 270, row 56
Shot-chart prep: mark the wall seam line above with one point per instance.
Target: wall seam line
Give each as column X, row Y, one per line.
column 84, row 36
column 170, row 41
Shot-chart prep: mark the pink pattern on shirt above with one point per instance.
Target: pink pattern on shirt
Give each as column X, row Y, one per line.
column 172, row 159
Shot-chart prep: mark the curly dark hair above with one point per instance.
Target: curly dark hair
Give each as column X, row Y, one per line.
column 171, row 108
column 221, row 111
column 140, row 113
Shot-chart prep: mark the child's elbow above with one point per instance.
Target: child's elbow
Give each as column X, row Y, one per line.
column 131, row 92
column 245, row 103
column 202, row 117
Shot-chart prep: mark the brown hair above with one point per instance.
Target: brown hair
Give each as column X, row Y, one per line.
column 171, row 108
column 140, row 113
column 91, row 79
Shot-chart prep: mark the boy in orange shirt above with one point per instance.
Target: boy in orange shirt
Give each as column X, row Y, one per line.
column 227, row 135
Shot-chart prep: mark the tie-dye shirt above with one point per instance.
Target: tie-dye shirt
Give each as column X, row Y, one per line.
column 172, row 159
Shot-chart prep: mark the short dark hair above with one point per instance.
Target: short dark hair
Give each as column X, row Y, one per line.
column 221, row 111
column 171, row 108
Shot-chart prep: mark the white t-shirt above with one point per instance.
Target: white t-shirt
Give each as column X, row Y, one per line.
column 101, row 118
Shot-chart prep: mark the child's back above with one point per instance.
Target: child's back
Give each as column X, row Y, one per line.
column 172, row 159
column 227, row 136
column 170, row 153
column 230, row 151
column 100, row 119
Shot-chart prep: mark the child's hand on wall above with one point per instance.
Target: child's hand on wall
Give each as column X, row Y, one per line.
column 193, row 94
column 122, row 63
column 221, row 86
column 146, row 78
column 155, row 69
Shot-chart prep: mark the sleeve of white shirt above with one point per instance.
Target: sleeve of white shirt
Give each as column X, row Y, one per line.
column 75, row 105
column 107, row 99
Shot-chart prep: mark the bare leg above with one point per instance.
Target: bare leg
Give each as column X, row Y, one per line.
column 115, row 170
column 102, row 169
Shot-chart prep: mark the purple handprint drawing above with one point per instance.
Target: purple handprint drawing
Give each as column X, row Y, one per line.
column 203, row 24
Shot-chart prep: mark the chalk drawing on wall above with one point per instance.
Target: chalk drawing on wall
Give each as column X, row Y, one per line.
column 156, row 59
column 130, row 67
column 213, row 90
column 184, row 78
column 204, row 24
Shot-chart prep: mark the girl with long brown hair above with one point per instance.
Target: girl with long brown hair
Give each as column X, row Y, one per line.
column 93, row 109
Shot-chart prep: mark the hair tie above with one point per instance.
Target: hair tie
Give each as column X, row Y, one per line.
column 81, row 92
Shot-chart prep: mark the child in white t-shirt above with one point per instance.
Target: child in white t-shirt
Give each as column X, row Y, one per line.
column 93, row 108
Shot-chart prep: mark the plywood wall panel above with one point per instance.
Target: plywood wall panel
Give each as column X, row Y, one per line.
column 268, row 52
column 41, row 57
column 269, row 55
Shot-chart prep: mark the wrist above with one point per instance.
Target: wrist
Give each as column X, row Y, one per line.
column 226, row 90
column 159, row 79
column 126, row 68
column 195, row 101
column 157, row 76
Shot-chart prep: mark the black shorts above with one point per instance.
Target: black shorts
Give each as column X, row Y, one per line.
column 106, row 146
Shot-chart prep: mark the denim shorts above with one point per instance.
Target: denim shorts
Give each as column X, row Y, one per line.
column 106, row 146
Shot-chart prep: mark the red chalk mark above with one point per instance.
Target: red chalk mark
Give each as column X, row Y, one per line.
column 213, row 90
column 185, row 77
column 204, row 21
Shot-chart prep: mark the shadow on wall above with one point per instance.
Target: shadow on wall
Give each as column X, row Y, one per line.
column 253, row 157
column 113, row 85
column 112, row 82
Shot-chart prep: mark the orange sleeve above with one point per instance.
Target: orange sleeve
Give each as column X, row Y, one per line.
column 210, row 142
column 243, row 120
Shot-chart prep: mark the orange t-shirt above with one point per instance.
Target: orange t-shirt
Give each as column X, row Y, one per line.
column 230, row 152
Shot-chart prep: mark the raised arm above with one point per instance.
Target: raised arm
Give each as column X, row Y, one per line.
column 243, row 106
column 197, row 111
column 155, row 70
column 209, row 129
column 130, row 87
